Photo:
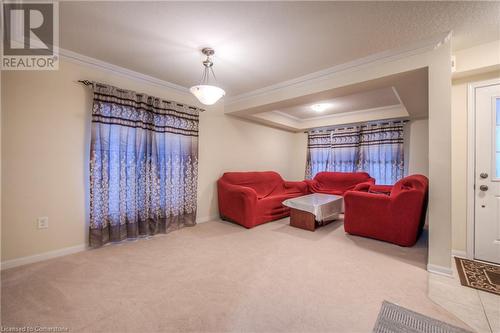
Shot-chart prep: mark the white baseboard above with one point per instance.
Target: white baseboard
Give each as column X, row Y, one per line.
column 42, row 256
column 459, row 253
column 206, row 219
column 440, row 270
column 65, row 251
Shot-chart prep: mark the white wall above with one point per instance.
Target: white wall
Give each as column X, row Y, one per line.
column 479, row 59
column 416, row 147
column 299, row 156
column 45, row 148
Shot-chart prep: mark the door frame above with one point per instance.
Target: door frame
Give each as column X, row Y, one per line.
column 471, row 160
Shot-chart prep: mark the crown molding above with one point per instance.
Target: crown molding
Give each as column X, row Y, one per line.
column 381, row 57
column 397, row 111
column 102, row 65
column 284, row 114
column 356, row 112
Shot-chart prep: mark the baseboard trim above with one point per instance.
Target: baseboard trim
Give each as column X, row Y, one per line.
column 440, row 270
column 42, row 256
column 207, row 219
column 65, row 251
column 459, row 253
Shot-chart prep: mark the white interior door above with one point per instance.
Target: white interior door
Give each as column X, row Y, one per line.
column 487, row 173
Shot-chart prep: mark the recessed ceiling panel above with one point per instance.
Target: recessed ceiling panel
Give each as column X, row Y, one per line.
column 355, row 102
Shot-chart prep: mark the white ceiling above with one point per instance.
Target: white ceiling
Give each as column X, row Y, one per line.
column 364, row 100
column 261, row 43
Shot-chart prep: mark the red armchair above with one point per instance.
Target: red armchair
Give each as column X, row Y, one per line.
column 253, row 198
column 338, row 183
column 394, row 214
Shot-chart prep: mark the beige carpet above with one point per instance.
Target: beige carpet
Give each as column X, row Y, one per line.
column 218, row 277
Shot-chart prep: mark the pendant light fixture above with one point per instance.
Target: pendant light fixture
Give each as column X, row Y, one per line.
column 204, row 92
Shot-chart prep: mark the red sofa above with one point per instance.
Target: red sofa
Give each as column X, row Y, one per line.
column 394, row 214
column 338, row 183
column 253, row 198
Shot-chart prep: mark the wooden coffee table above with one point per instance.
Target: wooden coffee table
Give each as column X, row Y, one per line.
column 313, row 210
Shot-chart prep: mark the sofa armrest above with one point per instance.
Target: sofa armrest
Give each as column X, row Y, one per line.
column 236, row 202
column 409, row 209
column 300, row 186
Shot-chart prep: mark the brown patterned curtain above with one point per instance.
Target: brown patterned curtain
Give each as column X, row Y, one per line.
column 143, row 165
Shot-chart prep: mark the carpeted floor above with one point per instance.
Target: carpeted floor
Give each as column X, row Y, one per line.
column 218, row 277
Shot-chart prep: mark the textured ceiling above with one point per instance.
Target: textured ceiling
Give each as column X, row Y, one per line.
column 261, row 43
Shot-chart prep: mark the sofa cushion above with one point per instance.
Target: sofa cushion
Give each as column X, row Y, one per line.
column 264, row 183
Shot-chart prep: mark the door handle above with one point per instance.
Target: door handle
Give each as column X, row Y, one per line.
column 483, row 175
column 483, row 187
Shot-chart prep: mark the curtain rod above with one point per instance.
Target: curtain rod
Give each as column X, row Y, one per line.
column 89, row 83
column 360, row 125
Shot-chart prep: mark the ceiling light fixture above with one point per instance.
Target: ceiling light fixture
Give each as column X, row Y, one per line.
column 320, row 107
column 206, row 93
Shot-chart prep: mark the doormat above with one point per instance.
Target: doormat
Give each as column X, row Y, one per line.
column 479, row 275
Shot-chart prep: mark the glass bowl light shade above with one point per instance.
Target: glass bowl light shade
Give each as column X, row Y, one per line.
column 207, row 94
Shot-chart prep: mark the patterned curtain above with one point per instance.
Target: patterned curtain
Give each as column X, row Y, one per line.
column 376, row 149
column 332, row 150
column 143, row 165
column 381, row 152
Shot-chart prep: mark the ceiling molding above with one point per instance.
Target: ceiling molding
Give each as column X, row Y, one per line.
column 395, row 91
column 284, row 114
column 269, row 118
column 381, row 57
column 102, row 65
column 357, row 112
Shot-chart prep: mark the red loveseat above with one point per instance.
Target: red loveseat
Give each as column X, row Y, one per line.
column 253, row 198
column 338, row 183
column 394, row 214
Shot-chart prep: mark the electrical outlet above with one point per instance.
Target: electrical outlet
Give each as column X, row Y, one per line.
column 42, row 222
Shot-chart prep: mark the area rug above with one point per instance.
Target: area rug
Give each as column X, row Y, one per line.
column 479, row 275
column 396, row 319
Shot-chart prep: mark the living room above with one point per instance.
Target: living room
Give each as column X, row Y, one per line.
column 308, row 87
